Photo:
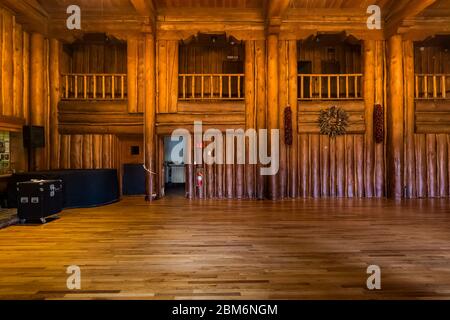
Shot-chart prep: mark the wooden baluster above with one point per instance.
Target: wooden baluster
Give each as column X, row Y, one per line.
column 356, row 87
column 444, row 84
column 85, row 87
column 184, row 87
column 320, row 87
column 434, row 87
column 76, row 87
column 347, row 93
column 113, row 87
column 338, row 80
column 425, row 86
column 122, row 87
column 329, row 87
column 221, row 87
column 103, row 87
column 302, row 87
column 229, row 86
column 94, row 95
column 193, row 86
column 67, row 86
column 311, row 79
column 239, row 86
column 203, row 86
column 417, row 87
column 211, row 86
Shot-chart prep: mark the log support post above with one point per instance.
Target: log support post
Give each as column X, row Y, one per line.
column 55, row 50
column 395, row 117
column 150, row 119
column 132, row 73
column 37, row 96
column 272, row 104
column 369, row 102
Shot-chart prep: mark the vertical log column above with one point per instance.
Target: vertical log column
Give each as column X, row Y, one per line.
column 132, row 73
column 250, row 113
column 369, row 101
column 283, row 87
column 272, row 103
column 293, row 102
column 410, row 170
column 55, row 49
column 7, row 64
column 37, row 99
column 380, row 92
column 261, row 108
column 150, row 115
column 395, row 117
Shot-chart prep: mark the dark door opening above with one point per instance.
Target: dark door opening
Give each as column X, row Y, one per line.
column 174, row 167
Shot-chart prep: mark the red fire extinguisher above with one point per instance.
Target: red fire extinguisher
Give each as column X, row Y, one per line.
column 199, row 180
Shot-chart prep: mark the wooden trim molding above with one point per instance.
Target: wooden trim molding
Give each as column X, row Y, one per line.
column 11, row 124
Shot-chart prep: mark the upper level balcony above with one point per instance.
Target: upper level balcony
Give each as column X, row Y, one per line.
column 211, row 68
column 329, row 68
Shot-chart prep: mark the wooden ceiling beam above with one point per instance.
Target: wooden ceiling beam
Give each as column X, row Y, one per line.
column 407, row 11
column 145, row 8
column 275, row 11
column 29, row 13
column 277, row 8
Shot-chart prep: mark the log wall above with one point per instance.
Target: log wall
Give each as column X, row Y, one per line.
column 97, row 57
column 15, row 62
column 348, row 56
column 89, row 151
column 427, row 140
column 167, row 79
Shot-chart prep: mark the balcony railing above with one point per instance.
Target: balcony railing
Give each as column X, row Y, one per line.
column 432, row 86
column 330, row 86
column 211, row 87
column 89, row 86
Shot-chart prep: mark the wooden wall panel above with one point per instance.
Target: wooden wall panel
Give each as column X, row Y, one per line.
column 132, row 60
column 427, row 139
column 7, row 67
column 97, row 57
column 14, row 65
column 202, row 59
column 167, row 57
column 220, row 181
column 348, row 56
column 89, row 151
column 18, row 72
column 332, row 166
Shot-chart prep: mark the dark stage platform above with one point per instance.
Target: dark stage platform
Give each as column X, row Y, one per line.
column 82, row 188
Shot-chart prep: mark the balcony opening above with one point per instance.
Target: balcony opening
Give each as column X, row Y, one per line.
column 432, row 68
column 94, row 68
column 329, row 68
column 211, row 67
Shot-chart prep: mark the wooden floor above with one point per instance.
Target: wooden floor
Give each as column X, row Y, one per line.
column 176, row 248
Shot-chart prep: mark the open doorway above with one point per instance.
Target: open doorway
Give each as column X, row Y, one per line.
column 174, row 167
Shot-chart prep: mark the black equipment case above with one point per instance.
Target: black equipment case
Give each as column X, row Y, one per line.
column 39, row 199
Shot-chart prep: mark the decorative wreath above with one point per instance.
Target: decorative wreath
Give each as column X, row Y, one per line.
column 333, row 121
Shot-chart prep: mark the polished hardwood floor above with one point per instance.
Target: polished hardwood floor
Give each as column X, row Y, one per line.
column 180, row 249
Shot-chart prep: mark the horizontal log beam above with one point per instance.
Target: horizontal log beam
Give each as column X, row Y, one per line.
column 30, row 14
column 405, row 11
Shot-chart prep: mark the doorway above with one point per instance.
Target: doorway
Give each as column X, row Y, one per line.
column 174, row 167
